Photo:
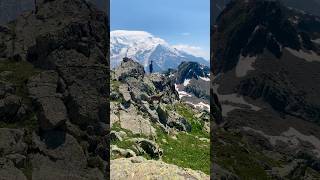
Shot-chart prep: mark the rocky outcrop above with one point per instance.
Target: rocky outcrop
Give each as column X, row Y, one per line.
column 129, row 69
column 138, row 167
column 119, row 152
column 12, row 142
column 147, row 146
column 146, row 107
column 172, row 119
column 9, row 171
column 55, row 88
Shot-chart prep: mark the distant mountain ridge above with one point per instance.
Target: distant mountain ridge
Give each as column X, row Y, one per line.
column 144, row 47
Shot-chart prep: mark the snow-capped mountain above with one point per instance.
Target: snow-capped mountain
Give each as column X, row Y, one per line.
column 193, row 84
column 144, row 48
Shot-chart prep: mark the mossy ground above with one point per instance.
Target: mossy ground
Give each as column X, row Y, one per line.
column 187, row 150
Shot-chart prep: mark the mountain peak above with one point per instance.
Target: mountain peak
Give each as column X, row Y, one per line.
column 144, row 47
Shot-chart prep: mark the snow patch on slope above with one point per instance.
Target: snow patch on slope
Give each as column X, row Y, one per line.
column 309, row 56
column 201, row 105
column 181, row 93
column 232, row 102
column 292, row 137
column 205, row 78
column 186, row 82
column 244, row 65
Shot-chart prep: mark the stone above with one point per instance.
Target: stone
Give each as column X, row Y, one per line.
column 140, row 168
column 6, row 88
column 61, row 147
column 129, row 68
column 53, row 113
column 43, row 85
column 11, row 141
column 124, row 90
column 8, row 171
column 173, row 119
column 136, row 123
column 115, row 136
column 116, row 151
column 149, row 147
column 18, row 160
column 9, row 107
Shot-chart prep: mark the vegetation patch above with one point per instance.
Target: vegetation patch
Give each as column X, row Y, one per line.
column 186, row 150
column 234, row 154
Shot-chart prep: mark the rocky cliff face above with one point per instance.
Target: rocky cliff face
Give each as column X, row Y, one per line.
column 266, row 62
column 148, row 119
column 53, row 103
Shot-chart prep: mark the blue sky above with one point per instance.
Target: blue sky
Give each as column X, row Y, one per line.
column 180, row 22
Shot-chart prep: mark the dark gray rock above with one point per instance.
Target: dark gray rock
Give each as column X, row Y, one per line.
column 52, row 113
column 173, row 119
column 18, row 160
column 8, row 171
column 9, row 107
column 6, row 88
column 148, row 147
column 11, row 141
column 43, row 85
column 221, row 173
column 42, row 88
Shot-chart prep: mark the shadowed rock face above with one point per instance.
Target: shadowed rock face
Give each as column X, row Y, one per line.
column 62, row 102
column 266, row 64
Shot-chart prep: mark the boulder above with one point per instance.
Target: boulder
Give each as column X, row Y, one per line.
column 62, row 157
column 116, row 151
column 11, row 141
column 173, row 119
column 117, row 136
column 149, row 147
column 124, row 90
column 178, row 122
column 129, row 68
column 8, row 171
column 140, row 168
column 85, row 78
column 43, row 85
column 44, row 168
column 6, row 88
column 53, row 113
column 18, row 160
column 131, row 120
column 9, row 107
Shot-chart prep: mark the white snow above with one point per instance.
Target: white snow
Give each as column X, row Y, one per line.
column 205, row 78
column 292, row 137
column 231, row 102
column 186, row 82
column 181, row 93
column 317, row 41
column 309, row 56
column 244, row 65
column 201, row 105
column 140, row 45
